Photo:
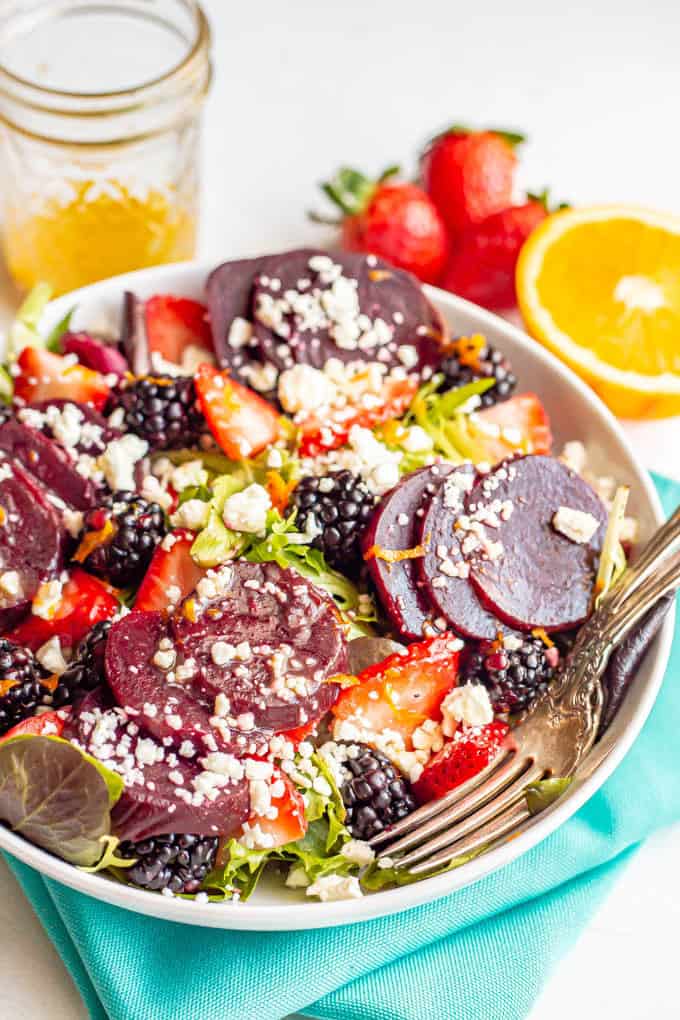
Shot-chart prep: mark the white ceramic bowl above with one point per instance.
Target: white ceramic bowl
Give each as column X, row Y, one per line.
column 576, row 413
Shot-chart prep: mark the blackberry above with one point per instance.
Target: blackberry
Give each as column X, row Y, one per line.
column 336, row 509
column 376, row 794
column 119, row 537
column 514, row 678
column 473, row 358
column 175, row 862
column 20, row 681
column 86, row 672
column 162, row 410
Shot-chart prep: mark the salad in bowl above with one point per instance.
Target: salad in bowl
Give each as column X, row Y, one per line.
column 277, row 568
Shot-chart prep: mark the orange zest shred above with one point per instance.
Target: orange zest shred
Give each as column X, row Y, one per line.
column 93, row 540
column 468, row 349
column 377, row 552
column 190, row 610
column 51, row 682
column 376, row 275
column 343, row 680
column 7, row 685
column 540, row 633
column 279, row 490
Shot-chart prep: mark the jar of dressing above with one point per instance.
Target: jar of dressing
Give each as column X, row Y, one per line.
column 100, row 115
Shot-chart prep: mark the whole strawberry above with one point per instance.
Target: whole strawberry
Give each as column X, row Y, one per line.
column 482, row 266
column 469, row 175
column 392, row 219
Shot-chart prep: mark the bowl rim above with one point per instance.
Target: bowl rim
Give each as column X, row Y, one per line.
column 315, row 914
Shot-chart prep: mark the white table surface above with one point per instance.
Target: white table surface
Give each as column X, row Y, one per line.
column 304, row 86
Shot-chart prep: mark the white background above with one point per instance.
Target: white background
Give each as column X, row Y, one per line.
column 303, row 86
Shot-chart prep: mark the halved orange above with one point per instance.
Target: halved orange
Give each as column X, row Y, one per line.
column 600, row 286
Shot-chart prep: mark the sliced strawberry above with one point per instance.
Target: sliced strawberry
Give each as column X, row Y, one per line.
column 173, row 324
column 47, row 376
column 332, row 431
column 299, row 734
column 523, row 414
column 403, row 691
column 289, row 825
column 468, row 753
column 48, row 724
column 85, row 600
column 171, row 570
column 241, row 422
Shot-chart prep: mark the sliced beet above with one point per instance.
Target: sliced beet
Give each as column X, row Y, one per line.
column 383, row 292
column 229, row 293
column 286, row 640
column 156, row 792
column 394, row 526
column 453, row 596
column 49, row 462
column 133, row 338
column 537, row 577
column 169, row 710
column 95, row 353
column 31, row 539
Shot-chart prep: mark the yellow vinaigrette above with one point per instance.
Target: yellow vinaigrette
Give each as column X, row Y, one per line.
column 102, row 229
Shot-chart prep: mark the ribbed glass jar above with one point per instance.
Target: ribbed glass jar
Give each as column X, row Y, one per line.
column 100, row 115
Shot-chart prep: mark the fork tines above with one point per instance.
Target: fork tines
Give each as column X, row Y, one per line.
column 475, row 813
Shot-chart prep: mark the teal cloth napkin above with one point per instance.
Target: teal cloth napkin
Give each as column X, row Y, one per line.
column 482, row 952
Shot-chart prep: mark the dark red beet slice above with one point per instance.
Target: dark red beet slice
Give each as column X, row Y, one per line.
column 383, row 292
column 154, row 800
column 92, row 443
column 454, row 597
column 95, row 353
column 167, row 709
column 293, row 640
column 133, row 338
column 394, row 525
column 229, row 294
column 541, row 578
column 31, row 538
column 49, row 462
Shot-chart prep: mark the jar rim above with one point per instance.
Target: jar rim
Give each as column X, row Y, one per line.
column 45, row 100
column 201, row 41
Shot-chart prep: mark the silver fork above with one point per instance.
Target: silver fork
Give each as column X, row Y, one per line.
column 551, row 739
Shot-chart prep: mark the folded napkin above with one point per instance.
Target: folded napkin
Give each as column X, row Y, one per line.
column 482, row 952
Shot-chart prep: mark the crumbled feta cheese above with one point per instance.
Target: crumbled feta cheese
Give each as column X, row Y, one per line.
column 189, row 475
column 118, row 460
column 576, row 525
column 358, row 852
column 416, row 440
column 297, row 878
column 47, row 598
column 335, row 887
column 10, row 583
column 240, row 333
column 303, row 388
column 261, row 377
column 247, row 510
column 193, row 514
column 73, row 521
column 51, row 657
column 469, row 704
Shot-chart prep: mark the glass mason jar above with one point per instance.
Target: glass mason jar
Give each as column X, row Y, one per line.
column 100, row 114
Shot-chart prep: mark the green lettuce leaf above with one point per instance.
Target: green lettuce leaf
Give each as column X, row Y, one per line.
column 55, row 796
column 440, row 415
column 375, row 877
column 612, row 557
column 241, row 872
column 54, row 337
column 109, row 857
column 217, row 543
column 542, row 794
column 24, row 331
